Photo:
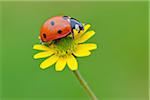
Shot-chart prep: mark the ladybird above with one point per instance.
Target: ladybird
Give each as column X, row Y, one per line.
column 58, row 27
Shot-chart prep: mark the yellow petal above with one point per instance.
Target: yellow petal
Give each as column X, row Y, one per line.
column 75, row 32
column 72, row 62
column 40, row 47
column 43, row 54
column 86, row 36
column 81, row 53
column 86, row 27
column 60, row 64
column 49, row 61
column 88, row 46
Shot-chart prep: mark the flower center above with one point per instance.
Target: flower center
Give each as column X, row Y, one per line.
column 65, row 45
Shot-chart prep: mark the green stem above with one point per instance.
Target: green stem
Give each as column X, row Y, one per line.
column 85, row 85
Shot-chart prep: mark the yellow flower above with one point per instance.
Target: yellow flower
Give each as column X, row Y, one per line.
column 65, row 50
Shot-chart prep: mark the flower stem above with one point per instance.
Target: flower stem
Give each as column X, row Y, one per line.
column 85, row 85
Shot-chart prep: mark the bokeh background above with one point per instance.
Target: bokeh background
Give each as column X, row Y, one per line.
column 117, row 70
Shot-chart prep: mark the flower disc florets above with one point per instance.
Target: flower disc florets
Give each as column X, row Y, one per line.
column 64, row 46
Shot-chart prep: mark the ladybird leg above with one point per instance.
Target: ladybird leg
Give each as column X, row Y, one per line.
column 79, row 31
column 72, row 33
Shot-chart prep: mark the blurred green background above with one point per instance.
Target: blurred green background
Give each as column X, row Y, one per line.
column 117, row 70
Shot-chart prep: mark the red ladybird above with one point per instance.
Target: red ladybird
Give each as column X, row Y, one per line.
column 59, row 27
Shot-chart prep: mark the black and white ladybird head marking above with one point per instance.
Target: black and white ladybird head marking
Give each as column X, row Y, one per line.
column 77, row 27
column 75, row 24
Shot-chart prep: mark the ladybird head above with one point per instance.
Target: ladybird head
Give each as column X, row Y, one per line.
column 54, row 28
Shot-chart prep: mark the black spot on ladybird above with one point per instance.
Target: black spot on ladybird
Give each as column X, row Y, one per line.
column 52, row 23
column 59, row 31
column 44, row 35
